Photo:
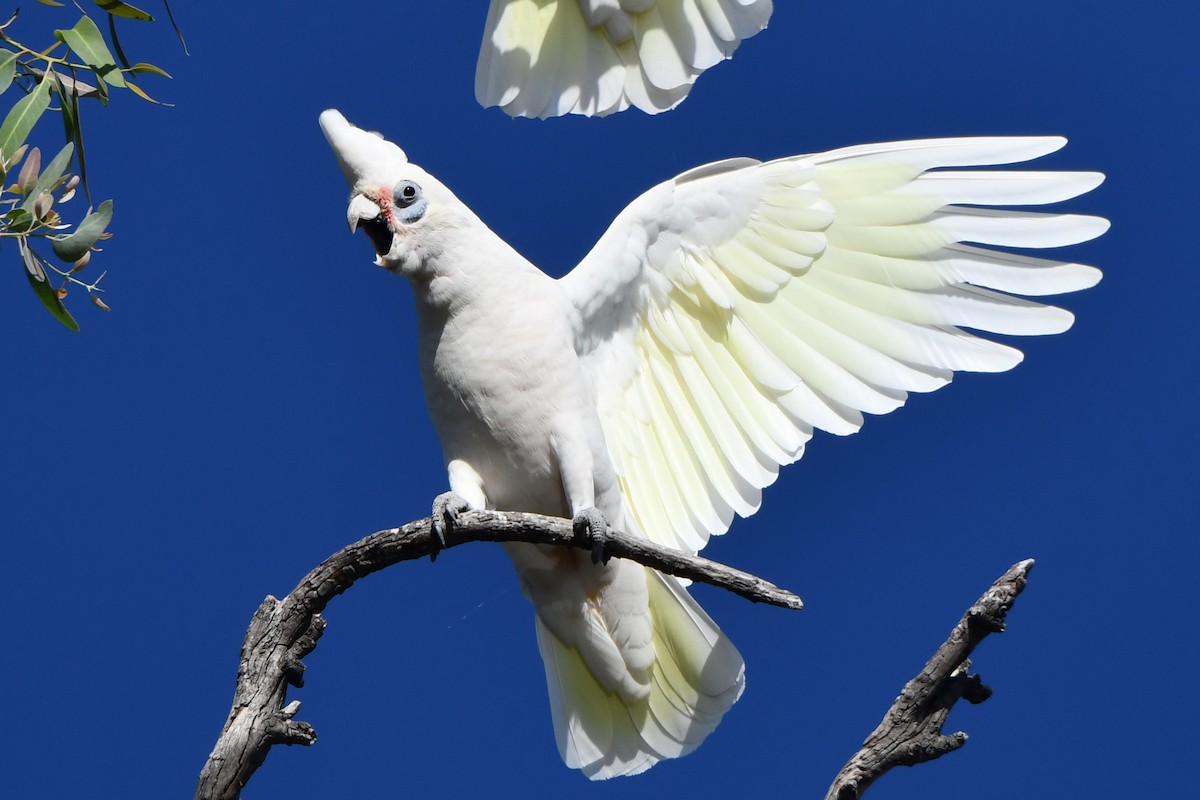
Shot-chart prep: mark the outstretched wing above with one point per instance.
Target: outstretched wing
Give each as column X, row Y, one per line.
column 726, row 314
column 545, row 58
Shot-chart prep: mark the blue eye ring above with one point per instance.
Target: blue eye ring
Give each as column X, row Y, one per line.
column 409, row 201
column 406, row 194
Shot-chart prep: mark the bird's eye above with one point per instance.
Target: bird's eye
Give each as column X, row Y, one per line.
column 406, row 194
column 409, row 201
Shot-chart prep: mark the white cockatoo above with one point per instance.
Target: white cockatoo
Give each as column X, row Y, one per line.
column 660, row 385
column 545, row 58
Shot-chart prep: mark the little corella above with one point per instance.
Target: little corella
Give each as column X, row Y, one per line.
column 658, row 387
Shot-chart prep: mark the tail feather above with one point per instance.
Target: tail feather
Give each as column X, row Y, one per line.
column 697, row 675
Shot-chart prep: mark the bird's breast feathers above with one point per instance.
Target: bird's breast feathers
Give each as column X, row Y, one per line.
column 497, row 375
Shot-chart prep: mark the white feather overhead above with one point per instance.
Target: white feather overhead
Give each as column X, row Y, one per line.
column 727, row 313
column 545, row 58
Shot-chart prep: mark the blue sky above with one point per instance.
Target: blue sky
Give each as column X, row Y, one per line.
column 252, row 404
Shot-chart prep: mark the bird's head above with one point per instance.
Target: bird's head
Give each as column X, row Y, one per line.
column 402, row 208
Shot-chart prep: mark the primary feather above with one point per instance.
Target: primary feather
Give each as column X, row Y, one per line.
column 545, row 58
column 723, row 317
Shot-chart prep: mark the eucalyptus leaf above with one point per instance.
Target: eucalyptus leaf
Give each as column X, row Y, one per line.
column 19, row 220
column 69, row 84
column 102, row 92
column 66, row 92
column 21, row 119
column 28, row 175
column 142, row 94
column 119, row 9
column 179, row 33
column 50, row 175
column 88, row 43
column 79, row 152
column 33, row 266
column 142, row 66
column 8, row 68
column 70, row 248
column 45, row 292
column 116, row 41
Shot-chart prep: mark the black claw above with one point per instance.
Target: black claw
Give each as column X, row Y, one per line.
column 591, row 525
column 437, row 542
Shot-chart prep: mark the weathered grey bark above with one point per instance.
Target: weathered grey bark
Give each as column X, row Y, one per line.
column 283, row 632
column 911, row 731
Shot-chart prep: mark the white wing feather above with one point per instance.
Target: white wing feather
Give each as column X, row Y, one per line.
column 727, row 313
column 545, row 58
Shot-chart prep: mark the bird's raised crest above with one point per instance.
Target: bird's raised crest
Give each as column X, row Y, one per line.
column 362, row 155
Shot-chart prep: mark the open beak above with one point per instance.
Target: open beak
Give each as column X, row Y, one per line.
column 368, row 161
column 361, row 208
column 365, row 213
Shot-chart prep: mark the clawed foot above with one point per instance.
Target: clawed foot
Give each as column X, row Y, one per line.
column 446, row 508
column 591, row 525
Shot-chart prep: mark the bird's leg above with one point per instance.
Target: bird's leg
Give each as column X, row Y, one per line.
column 466, row 492
column 590, row 524
column 573, row 450
column 446, row 508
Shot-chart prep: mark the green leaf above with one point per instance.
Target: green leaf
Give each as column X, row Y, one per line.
column 8, row 68
column 142, row 66
column 116, row 40
column 119, row 9
column 70, row 248
column 52, row 3
column 50, row 175
column 65, row 94
column 87, row 42
column 79, row 153
column 45, row 292
column 21, row 119
column 19, row 220
column 138, row 91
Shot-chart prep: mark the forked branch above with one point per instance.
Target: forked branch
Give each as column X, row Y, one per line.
column 911, row 731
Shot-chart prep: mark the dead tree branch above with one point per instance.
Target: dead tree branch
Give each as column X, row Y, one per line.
column 911, row 731
column 283, row 632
